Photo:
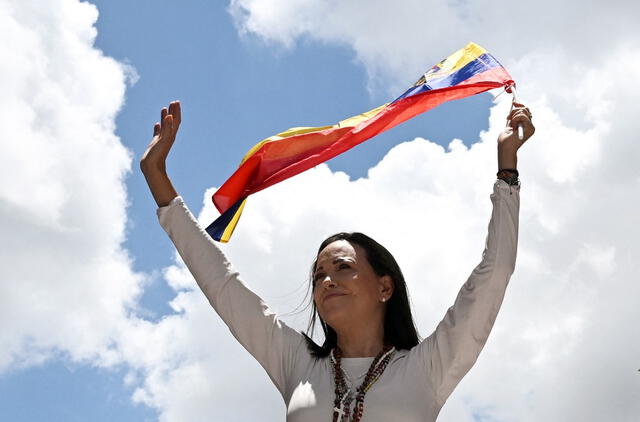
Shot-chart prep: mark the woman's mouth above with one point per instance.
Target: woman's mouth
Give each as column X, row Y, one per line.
column 329, row 296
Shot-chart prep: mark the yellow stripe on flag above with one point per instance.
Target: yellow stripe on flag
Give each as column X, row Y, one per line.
column 456, row 61
column 226, row 235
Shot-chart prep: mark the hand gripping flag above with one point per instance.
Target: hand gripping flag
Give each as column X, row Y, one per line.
column 466, row 72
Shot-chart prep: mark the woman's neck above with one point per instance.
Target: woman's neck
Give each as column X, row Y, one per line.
column 361, row 342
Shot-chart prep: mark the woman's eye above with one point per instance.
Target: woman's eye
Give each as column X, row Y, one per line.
column 343, row 266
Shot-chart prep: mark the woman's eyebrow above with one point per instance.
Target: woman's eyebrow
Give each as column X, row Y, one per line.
column 336, row 261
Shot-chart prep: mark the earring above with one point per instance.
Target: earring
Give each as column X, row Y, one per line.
column 384, row 299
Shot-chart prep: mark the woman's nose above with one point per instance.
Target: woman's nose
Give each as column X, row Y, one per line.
column 328, row 281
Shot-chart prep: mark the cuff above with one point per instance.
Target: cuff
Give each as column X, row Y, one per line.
column 163, row 211
column 500, row 186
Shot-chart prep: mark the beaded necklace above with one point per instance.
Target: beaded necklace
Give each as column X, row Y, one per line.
column 344, row 395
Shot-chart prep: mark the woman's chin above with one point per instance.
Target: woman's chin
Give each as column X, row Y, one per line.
column 334, row 315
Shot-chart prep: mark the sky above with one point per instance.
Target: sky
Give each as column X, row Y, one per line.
column 99, row 318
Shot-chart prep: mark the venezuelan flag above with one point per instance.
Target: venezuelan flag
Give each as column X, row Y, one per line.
column 466, row 72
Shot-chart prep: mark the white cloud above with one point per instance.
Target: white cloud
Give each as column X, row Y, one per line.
column 563, row 347
column 395, row 41
column 66, row 282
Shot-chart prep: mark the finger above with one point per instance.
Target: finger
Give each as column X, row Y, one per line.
column 515, row 108
column 525, row 110
column 177, row 116
column 156, row 129
column 521, row 112
column 516, row 105
column 167, row 127
column 163, row 114
column 519, row 118
column 518, row 113
column 174, row 110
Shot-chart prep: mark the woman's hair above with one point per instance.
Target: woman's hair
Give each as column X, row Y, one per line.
column 399, row 329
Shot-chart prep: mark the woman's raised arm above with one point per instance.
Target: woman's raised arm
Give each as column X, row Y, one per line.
column 271, row 342
column 454, row 346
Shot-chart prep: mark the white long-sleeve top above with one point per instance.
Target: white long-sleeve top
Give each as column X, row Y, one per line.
column 416, row 382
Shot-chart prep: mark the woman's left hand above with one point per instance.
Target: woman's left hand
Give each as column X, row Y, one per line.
column 508, row 139
column 508, row 142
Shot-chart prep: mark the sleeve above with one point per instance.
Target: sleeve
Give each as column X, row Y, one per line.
column 452, row 349
column 271, row 342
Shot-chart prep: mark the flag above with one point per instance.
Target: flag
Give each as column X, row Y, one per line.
column 466, row 72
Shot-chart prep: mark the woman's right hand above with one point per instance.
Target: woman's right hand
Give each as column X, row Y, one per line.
column 164, row 134
column 153, row 161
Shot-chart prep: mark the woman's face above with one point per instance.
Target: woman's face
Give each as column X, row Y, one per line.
column 346, row 288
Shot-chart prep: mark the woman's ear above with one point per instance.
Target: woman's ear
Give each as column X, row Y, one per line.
column 386, row 286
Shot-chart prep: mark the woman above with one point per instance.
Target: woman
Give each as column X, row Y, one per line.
column 371, row 366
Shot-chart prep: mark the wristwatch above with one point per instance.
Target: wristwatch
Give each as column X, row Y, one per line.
column 510, row 176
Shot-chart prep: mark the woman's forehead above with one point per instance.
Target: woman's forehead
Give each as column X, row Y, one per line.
column 338, row 250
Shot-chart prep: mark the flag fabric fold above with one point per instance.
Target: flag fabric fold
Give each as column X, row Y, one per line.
column 466, row 72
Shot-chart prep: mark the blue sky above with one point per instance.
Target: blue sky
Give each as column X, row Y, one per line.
column 108, row 278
